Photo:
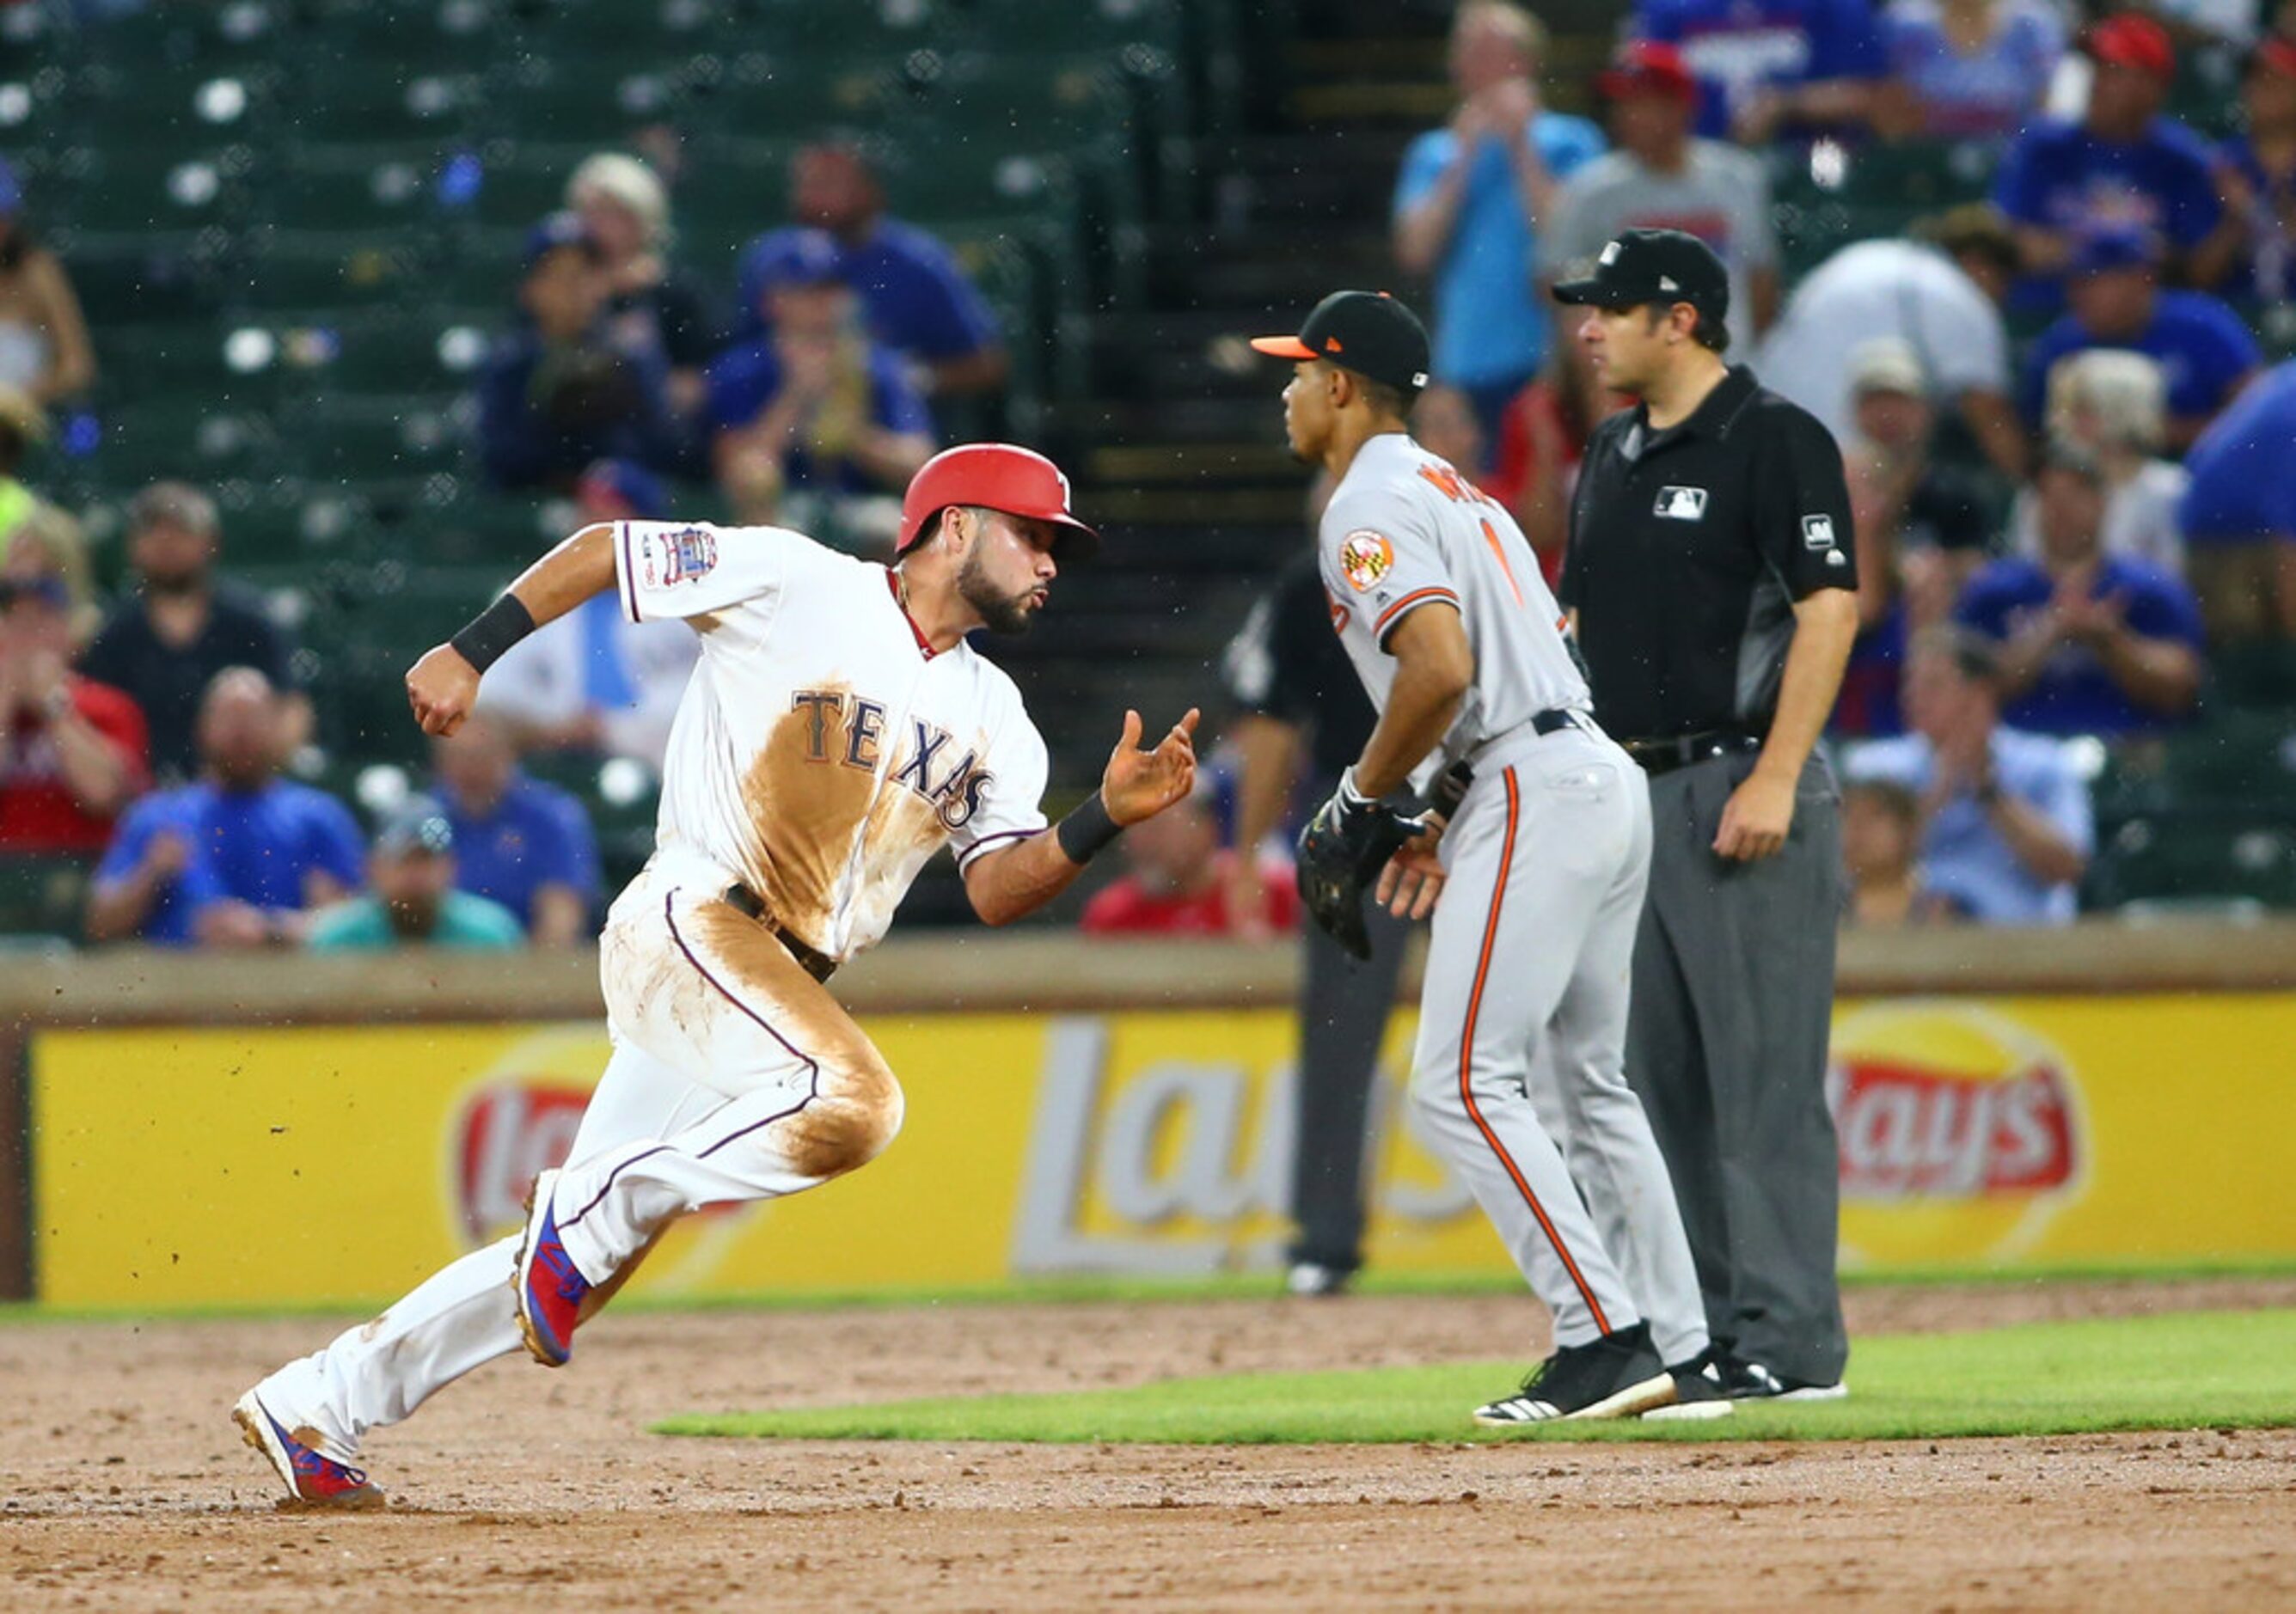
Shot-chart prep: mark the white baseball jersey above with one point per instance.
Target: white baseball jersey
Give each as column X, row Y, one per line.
column 822, row 751
column 1405, row 529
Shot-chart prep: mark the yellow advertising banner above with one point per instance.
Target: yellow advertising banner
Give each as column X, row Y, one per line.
column 339, row 1165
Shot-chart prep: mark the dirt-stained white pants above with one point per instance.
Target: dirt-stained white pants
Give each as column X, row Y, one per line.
column 735, row 1077
column 1518, row 1071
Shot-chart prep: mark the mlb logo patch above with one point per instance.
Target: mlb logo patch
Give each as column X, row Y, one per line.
column 1682, row 504
column 1818, row 532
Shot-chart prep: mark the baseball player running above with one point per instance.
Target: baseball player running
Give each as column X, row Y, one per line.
column 838, row 731
column 1541, row 842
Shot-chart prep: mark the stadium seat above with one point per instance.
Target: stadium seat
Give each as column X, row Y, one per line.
column 43, row 895
column 2198, row 856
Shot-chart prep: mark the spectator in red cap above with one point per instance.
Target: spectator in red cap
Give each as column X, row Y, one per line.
column 1661, row 178
column 2256, row 176
column 2122, row 164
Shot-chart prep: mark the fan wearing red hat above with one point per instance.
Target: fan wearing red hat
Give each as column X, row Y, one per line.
column 2123, row 162
column 1660, row 176
column 2256, row 175
column 838, row 733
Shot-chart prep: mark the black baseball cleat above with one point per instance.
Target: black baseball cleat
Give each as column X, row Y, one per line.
column 1616, row 1376
column 1697, row 1391
column 1743, row 1380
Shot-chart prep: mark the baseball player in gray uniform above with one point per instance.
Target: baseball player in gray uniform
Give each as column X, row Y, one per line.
column 1539, row 843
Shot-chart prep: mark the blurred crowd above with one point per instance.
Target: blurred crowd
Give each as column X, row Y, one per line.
column 155, row 741
column 2066, row 445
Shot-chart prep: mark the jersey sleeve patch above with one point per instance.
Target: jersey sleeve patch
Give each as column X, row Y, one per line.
column 1365, row 557
column 686, row 555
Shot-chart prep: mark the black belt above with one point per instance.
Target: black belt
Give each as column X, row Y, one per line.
column 819, row 965
column 1681, row 750
column 1451, row 786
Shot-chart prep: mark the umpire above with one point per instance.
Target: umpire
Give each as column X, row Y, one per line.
column 1296, row 693
column 1711, row 579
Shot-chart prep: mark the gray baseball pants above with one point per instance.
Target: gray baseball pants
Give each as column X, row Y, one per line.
column 1547, row 860
column 1733, row 1002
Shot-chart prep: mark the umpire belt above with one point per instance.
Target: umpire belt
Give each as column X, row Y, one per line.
column 819, row 965
column 1682, row 750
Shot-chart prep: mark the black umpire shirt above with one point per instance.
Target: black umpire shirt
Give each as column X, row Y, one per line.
column 1688, row 548
column 1286, row 663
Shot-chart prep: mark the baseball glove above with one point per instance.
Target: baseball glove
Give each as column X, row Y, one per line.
column 1342, row 851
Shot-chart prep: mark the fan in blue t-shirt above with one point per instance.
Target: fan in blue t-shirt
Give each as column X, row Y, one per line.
column 915, row 299
column 2205, row 350
column 238, row 859
column 2090, row 644
column 2239, row 513
column 814, row 405
column 1764, row 63
column 2122, row 163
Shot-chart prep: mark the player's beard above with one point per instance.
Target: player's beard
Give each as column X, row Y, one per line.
column 1010, row 614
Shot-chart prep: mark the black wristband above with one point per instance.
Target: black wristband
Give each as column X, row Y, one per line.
column 1083, row 831
column 493, row 631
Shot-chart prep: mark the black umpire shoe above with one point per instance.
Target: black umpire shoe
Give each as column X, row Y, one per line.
column 1741, row 1380
column 1616, row 1376
column 1697, row 1391
column 1314, row 1279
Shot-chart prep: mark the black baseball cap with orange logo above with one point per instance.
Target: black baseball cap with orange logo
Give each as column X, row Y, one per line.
column 1369, row 332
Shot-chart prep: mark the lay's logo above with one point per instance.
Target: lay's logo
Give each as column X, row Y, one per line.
column 1911, row 1133
column 1961, row 1132
column 510, row 1131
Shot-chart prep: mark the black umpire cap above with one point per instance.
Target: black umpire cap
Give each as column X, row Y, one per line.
column 1369, row 332
column 1645, row 267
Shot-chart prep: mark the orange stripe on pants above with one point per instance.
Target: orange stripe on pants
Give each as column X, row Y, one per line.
column 1467, row 1060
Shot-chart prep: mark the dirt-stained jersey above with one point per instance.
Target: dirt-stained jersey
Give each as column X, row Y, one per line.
column 1405, row 529
column 822, row 751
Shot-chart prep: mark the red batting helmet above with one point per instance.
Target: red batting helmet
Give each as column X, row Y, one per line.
column 995, row 475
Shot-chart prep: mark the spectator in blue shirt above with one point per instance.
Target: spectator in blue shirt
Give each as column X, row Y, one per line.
column 2089, row 643
column 2256, row 172
column 240, row 859
column 816, row 404
column 2122, row 163
column 2239, row 513
column 2006, row 828
column 1766, row 64
column 518, row 842
column 1469, row 198
column 2204, row 351
column 916, row 300
column 566, row 385
column 1972, row 68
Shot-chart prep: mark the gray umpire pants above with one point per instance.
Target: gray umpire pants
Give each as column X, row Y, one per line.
column 1727, row 1044
column 1344, row 1005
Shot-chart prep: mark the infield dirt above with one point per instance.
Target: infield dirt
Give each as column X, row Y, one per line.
column 126, row 1486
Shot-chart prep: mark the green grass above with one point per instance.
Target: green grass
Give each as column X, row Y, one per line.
column 2176, row 1370
column 1214, row 1286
